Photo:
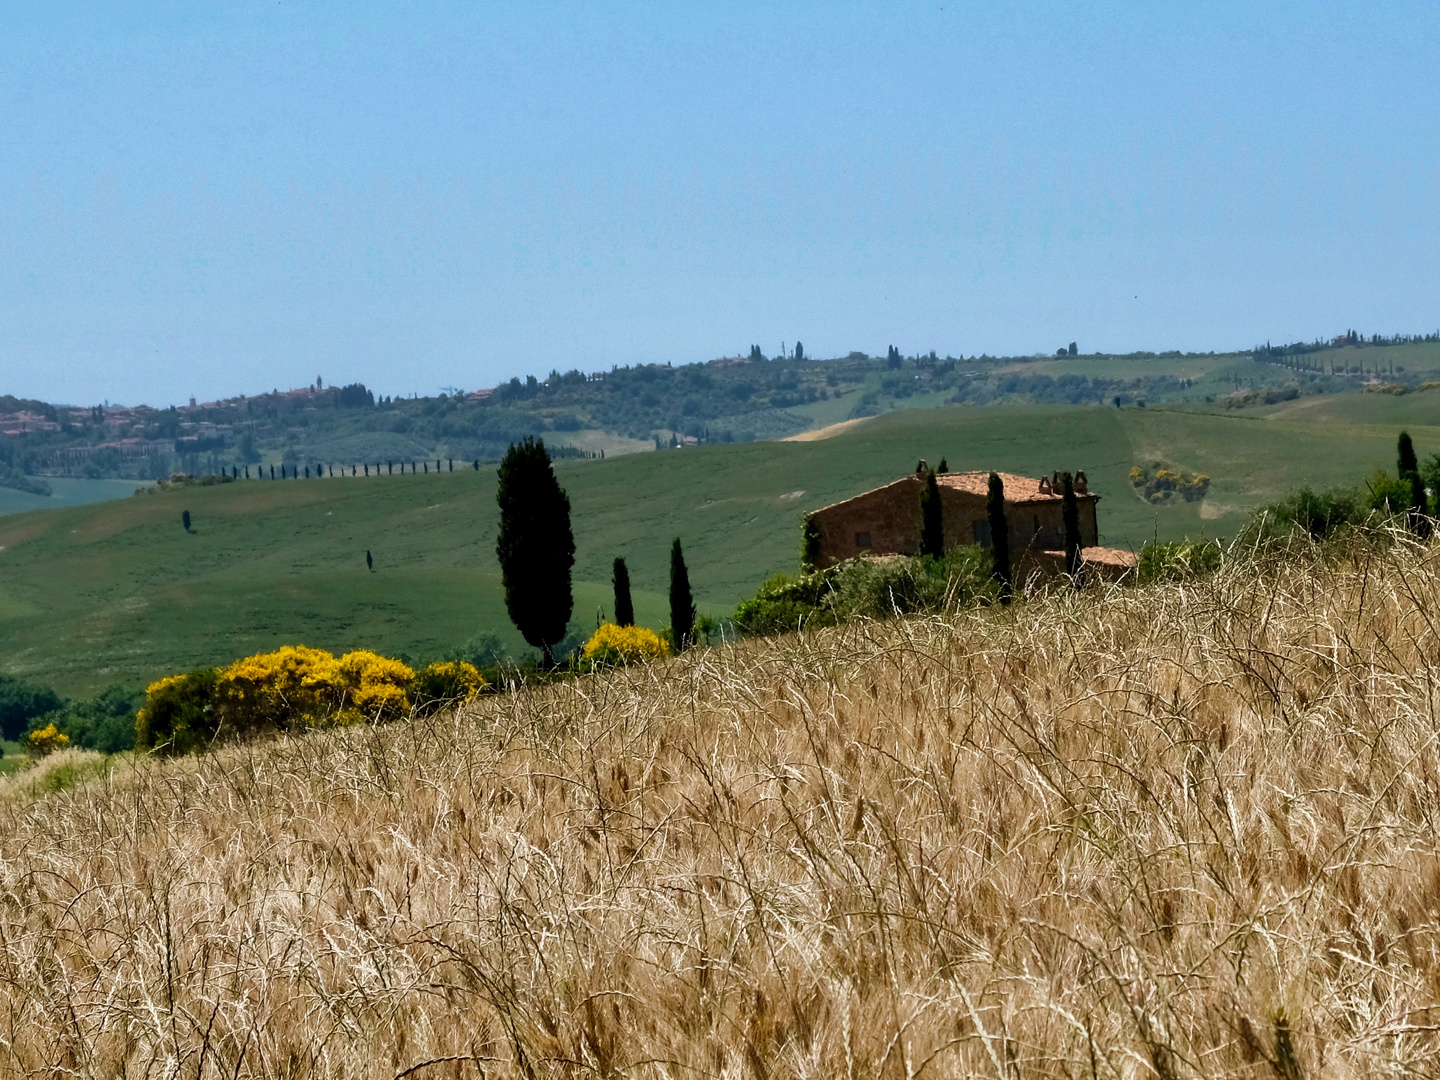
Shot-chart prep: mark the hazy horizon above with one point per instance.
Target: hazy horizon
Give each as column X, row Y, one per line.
column 214, row 204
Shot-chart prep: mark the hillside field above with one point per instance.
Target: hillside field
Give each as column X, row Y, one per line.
column 117, row 592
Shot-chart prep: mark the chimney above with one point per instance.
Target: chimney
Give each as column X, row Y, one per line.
column 1082, row 485
column 921, row 468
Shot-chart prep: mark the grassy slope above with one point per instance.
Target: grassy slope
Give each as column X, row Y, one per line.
column 117, row 591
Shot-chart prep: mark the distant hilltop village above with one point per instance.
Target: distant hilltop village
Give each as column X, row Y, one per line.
column 734, row 398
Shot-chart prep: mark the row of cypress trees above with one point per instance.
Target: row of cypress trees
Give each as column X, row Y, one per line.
column 536, row 549
column 354, row 469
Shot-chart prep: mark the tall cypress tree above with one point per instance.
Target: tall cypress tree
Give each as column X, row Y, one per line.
column 932, row 520
column 624, row 609
column 535, row 547
column 999, row 536
column 682, row 602
column 1409, row 469
column 1070, row 515
column 1407, row 462
column 810, row 541
column 1419, row 515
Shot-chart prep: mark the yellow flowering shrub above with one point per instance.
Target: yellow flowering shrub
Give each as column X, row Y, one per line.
column 612, row 644
column 292, row 688
column 296, row 686
column 48, row 739
column 446, row 682
column 373, row 687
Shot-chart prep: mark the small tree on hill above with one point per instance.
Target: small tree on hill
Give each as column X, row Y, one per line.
column 932, row 521
column 536, row 547
column 999, row 535
column 1070, row 515
column 943, row 467
column 682, row 601
column 624, row 608
column 185, row 519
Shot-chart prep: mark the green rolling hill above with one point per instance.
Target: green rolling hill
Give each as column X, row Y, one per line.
column 118, row 592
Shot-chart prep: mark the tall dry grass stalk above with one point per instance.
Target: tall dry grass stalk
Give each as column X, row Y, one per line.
column 1173, row 832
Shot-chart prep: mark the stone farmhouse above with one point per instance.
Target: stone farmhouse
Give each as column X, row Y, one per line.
column 886, row 521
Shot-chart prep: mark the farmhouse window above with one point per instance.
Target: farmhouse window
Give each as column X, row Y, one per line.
column 982, row 533
column 862, row 539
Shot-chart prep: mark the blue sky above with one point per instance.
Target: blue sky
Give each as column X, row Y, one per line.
column 428, row 195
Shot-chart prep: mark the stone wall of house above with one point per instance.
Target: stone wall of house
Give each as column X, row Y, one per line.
column 885, row 521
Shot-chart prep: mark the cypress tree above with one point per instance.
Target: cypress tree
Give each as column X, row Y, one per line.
column 624, row 609
column 932, row 523
column 1409, row 469
column 272, row 472
column 810, row 540
column 1419, row 519
column 1070, row 514
column 185, row 519
column 944, row 466
column 535, row 547
column 1407, row 463
column 682, row 602
column 999, row 536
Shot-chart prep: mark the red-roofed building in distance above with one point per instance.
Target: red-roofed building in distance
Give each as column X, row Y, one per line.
column 886, row 521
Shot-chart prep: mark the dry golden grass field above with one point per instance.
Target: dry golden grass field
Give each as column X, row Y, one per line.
column 1180, row 831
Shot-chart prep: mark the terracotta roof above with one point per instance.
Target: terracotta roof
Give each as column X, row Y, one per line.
column 1109, row 556
column 1018, row 489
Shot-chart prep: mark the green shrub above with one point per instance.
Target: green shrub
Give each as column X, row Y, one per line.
column 1179, row 560
column 179, row 715
column 105, row 722
column 1320, row 515
column 784, row 603
column 869, row 588
column 20, row 701
column 1389, row 494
